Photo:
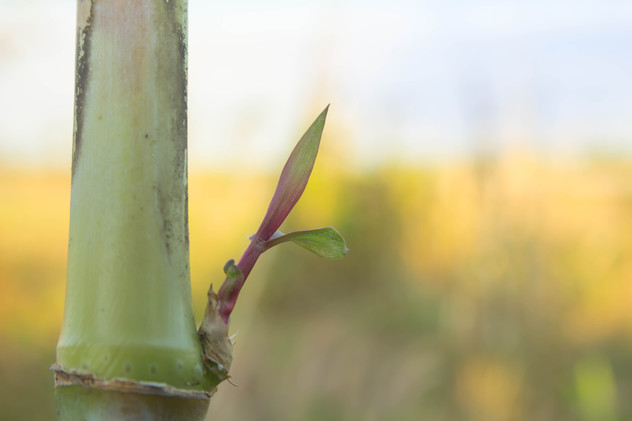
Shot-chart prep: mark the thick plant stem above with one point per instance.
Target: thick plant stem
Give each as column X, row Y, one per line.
column 80, row 403
column 128, row 338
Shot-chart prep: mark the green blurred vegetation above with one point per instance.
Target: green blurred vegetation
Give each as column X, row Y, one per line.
column 485, row 290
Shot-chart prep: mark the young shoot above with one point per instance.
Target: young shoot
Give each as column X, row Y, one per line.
column 325, row 242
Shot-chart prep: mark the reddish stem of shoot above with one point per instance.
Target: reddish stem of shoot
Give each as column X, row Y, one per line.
column 228, row 296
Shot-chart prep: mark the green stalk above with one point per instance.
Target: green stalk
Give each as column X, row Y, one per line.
column 128, row 348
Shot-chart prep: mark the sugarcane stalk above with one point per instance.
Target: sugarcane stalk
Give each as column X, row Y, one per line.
column 128, row 348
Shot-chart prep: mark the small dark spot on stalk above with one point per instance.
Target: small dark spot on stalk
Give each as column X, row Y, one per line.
column 153, row 369
column 146, row 135
column 186, row 216
column 198, row 369
column 83, row 50
column 127, row 367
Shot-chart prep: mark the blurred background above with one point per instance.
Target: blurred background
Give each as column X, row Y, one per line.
column 477, row 158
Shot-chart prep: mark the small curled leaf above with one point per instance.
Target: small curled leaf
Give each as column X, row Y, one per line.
column 324, row 242
column 234, row 279
column 232, row 271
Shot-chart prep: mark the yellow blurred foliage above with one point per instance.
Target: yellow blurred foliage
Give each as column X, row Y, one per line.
column 489, row 389
column 34, row 209
column 519, row 265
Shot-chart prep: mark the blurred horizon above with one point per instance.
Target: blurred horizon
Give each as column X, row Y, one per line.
column 419, row 82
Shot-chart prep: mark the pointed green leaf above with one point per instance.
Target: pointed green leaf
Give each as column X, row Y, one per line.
column 325, row 242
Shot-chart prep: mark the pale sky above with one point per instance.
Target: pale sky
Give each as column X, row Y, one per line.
column 408, row 80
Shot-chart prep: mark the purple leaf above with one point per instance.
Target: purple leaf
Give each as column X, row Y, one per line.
column 293, row 179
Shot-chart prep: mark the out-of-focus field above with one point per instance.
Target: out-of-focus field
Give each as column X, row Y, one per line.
column 487, row 290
